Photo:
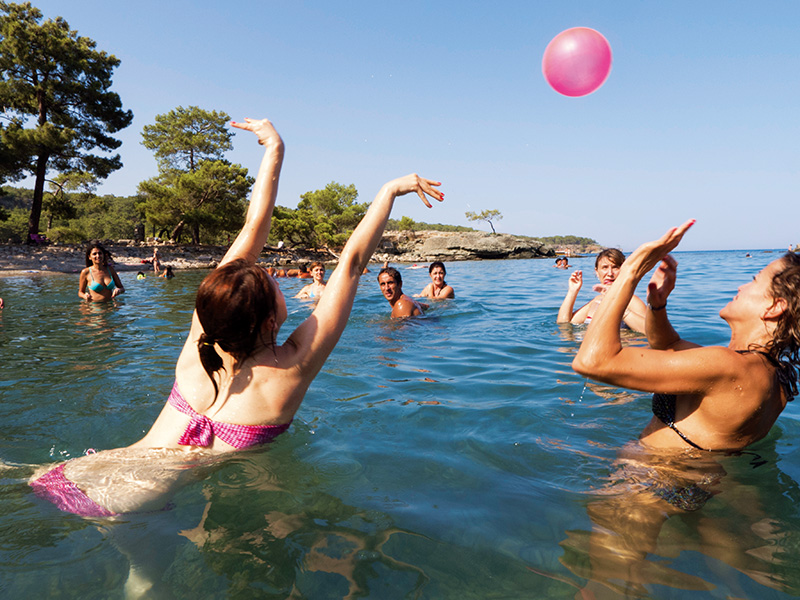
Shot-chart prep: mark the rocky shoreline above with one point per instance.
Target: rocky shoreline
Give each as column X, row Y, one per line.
column 395, row 246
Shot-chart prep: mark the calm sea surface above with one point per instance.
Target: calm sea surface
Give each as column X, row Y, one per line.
column 453, row 456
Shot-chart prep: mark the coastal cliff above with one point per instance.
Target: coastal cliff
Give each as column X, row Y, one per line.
column 426, row 246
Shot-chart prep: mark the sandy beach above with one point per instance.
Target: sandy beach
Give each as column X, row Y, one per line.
column 71, row 258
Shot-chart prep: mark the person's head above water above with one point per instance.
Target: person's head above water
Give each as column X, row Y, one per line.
column 437, row 264
column 241, row 309
column 607, row 265
column 100, row 256
column 317, row 270
column 773, row 296
column 391, row 283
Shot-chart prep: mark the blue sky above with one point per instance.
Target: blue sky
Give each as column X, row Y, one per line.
column 698, row 118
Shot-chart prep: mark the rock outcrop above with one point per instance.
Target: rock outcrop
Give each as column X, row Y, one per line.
column 425, row 246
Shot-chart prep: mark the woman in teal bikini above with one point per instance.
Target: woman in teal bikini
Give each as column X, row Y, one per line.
column 314, row 289
column 99, row 281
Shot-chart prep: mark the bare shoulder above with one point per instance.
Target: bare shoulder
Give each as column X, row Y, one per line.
column 404, row 307
column 426, row 291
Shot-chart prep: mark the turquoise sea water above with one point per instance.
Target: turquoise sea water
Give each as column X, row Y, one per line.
column 454, row 456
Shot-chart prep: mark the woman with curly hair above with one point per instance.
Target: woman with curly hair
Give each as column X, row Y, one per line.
column 708, row 398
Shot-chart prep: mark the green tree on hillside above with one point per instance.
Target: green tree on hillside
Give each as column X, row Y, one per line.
column 66, row 190
column 54, row 92
column 488, row 215
column 323, row 218
column 406, row 224
column 185, row 137
column 196, row 187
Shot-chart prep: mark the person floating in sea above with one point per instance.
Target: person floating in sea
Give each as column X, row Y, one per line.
column 391, row 284
column 606, row 267
column 167, row 272
column 99, row 281
column 301, row 272
column 315, row 288
column 437, row 289
column 235, row 386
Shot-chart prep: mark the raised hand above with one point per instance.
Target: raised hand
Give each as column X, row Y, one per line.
column 662, row 282
column 415, row 183
column 575, row 281
column 648, row 255
column 263, row 128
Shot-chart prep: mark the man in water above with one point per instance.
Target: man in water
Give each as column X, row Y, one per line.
column 392, row 288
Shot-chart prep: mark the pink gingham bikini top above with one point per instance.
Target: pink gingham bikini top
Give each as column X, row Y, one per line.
column 201, row 430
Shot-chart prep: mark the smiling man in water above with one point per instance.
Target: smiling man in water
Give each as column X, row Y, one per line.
column 392, row 288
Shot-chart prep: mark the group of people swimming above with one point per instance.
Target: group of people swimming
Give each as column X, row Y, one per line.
column 236, row 387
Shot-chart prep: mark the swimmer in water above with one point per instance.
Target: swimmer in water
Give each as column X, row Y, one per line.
column 99, row 281
column 707, row 398
column 235, row 387
column 392, row 288
column 606, row 267
column 314, row 289
column 437, row 289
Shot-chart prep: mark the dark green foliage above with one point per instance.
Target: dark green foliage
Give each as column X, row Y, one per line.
column 93, row 217
column 323, row 218
column 196, row 187
column 401, row 225
column 12, row 197
column 184, row 137
column 55, row 97
column 567, row 240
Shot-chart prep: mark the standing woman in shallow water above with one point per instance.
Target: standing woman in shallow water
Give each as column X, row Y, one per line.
column 99, row 281
column 708, row 398
column 235, row 386
column 437, row 289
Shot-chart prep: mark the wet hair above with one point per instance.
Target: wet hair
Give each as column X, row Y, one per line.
column 106, row 254
column 615, row 256
column 434, row 264
column 393, row 273
column 784, row 347
column 302, row 268
column 315, row 264
column 232, row 304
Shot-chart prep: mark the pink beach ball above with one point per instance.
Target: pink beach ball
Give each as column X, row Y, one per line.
column 577, row 61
